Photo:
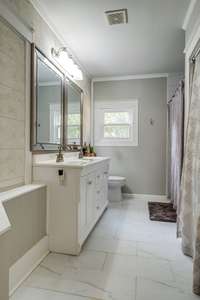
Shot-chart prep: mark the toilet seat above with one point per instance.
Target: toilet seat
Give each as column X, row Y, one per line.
column 117, row 179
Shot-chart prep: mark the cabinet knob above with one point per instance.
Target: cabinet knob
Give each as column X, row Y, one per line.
column 98, row 207
column 98, row 192
column 106, row 173
column 90, row 182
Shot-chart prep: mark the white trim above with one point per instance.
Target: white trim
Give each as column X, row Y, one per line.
column 14, row 21
column 188, row 14
column 130, row 77
column 41, row 11
column 27, row 263
column 148, row 197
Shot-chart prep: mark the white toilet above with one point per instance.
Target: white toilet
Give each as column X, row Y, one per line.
column 115, row 184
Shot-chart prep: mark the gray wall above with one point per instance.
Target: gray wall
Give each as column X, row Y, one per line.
column 27, row 215
column 193, row 23
column 144, row 166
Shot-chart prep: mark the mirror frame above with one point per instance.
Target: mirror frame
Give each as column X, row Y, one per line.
column 38, row 147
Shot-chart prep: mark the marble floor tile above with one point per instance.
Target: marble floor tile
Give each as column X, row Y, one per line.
column 86, row 260
column 124, row 265
column 27, row 293
column 107, row 231
column 145, row 232
column 111, row 246
column 152, row 290
column 88, row 283
column 155, row 269
column 168, row 251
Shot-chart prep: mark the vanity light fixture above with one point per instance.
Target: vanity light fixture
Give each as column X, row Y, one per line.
column 66, row 61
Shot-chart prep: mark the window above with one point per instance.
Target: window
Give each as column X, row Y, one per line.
column 73, row 128
column 116, row 123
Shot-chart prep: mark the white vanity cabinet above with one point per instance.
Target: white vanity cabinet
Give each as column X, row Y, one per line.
column 76, row 201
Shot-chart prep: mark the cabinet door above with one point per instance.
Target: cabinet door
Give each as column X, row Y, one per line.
column 90, row 199
column 105, row 186
column 98, row 190
column 82, row 205
column 101, row 189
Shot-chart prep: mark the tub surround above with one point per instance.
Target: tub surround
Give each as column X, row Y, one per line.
column 22, row 227
column 4, row 221
column 5, row 224
column 17, row 192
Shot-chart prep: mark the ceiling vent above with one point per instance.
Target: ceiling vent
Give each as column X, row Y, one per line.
column 118, row 16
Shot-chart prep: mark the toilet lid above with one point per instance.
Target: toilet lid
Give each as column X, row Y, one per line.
column 116, row 178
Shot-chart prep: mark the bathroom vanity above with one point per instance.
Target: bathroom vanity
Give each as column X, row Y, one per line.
column 77, row 188
column 77, row 197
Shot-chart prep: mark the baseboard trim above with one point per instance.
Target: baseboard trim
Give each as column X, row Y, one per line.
column 148, row 197
column 27, row 263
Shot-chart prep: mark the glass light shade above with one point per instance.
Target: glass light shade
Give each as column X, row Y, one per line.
column 68, row 64
column 66, row 61
column 78, row 74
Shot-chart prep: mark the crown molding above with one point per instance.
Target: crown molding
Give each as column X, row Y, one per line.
column 130, row 77
column 188, row 14
column 41, row 11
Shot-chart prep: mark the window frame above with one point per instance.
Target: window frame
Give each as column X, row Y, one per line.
column 101, row 107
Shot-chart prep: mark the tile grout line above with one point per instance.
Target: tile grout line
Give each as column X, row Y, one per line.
column 63, row 293
column 136, row 287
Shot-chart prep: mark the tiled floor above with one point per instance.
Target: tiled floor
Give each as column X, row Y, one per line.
column 127, row 257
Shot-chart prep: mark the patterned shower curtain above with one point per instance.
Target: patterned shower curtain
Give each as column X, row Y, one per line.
column 190, row 186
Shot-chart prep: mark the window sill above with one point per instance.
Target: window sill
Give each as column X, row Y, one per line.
column 116, row 144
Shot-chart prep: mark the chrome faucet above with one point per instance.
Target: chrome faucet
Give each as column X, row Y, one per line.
column 60, row 156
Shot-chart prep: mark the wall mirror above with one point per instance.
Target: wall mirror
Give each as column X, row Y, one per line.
column 56, row 109
column 74, row 98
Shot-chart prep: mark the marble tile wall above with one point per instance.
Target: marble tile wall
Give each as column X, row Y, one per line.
column 12, row 107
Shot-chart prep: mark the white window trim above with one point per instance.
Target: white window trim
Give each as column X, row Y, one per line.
column 115, row 105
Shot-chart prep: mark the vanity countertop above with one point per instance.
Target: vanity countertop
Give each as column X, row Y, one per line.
column 72, row 162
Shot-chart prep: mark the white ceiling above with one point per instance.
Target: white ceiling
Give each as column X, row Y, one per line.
column 151, row 42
